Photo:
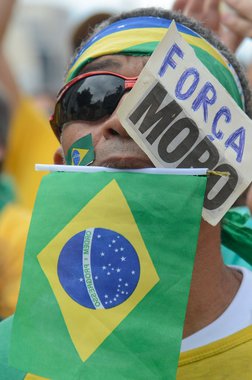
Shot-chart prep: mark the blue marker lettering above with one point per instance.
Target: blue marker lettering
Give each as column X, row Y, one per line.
column 191, row 72
column 224, row 111
column 204, row 100
column 169, row 61
column 238, row 148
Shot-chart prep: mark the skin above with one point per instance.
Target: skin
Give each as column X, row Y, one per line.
column 213, row 284
column 113, row 146
column 231, row 20
column 239, row 21
column 249, row 74
column 249, row 199
column 205, row 11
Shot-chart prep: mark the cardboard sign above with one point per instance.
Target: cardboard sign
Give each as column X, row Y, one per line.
column 181, row 116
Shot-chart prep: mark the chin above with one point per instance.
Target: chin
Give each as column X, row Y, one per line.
column 125, row 163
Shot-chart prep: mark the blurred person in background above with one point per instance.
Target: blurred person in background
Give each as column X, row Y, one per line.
column 232, row 22
column 14, row 224
column 25, row 139
column 85, row 27
column 30, row 140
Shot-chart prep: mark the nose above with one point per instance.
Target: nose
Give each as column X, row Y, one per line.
column 113, row 127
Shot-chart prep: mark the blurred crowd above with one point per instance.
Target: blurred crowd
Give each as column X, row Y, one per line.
column 27, row 99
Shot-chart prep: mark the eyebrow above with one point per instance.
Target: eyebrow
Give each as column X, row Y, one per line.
column 103, row 65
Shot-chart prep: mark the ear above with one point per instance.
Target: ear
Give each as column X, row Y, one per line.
column 2, row 153
column 2, row 157
column 58, row 157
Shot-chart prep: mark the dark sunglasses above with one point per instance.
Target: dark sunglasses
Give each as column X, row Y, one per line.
column 89, row 97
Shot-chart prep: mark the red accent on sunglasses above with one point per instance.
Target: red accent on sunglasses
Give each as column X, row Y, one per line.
column 129, row 82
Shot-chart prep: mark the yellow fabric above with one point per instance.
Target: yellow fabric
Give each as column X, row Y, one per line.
column 226, row 359
column 229, row 358
column 31, row 141
column 14, row 224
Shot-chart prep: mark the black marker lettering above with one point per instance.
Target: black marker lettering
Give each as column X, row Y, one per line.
column 204, row 155
column 226, row 190
column 184, row 146
column 161, row 118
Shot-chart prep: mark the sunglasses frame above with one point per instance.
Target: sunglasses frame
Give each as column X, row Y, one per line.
column 129, row 82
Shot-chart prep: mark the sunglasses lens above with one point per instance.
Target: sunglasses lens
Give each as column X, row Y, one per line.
column 90, row 99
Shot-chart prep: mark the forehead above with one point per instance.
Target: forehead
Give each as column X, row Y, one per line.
column 121, row 64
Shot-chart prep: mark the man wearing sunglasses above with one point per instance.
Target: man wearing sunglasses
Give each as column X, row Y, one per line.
column 100, row 76
column 217, row 339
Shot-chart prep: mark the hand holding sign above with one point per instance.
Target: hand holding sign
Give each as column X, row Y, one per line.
column 181, row 116
column 205, row 11
column 229, row 19
column 240, row 20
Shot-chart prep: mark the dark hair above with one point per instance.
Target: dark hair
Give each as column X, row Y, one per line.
column 86, row 27
column 195, row 26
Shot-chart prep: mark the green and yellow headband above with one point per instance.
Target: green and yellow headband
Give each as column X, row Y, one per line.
column 139, row 36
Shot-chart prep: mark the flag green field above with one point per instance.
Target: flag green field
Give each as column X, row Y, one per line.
column 106, row 276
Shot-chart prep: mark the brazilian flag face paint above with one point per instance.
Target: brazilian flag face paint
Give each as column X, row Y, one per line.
column 139, row 36
column 81, row 153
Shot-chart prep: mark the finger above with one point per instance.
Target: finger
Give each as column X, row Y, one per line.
column 242, row 7
column 230, row 39
column 237, row 24
column 195, row 8
column 212, row 14
column 179, row 5
column 211, row 5
column 191, row 8
column 205, row 11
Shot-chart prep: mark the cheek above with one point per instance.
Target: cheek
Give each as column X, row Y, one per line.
column 72, row 133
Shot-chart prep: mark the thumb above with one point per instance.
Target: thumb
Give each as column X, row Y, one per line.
column 179, row 5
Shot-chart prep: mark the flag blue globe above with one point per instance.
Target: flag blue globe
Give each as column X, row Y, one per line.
column 76, row 156
column 98, row 268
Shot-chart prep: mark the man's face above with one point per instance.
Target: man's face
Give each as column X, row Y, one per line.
column 113, row 146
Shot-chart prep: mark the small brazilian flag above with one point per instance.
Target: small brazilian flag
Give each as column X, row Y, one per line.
column 106, row 277
column 81, row 153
